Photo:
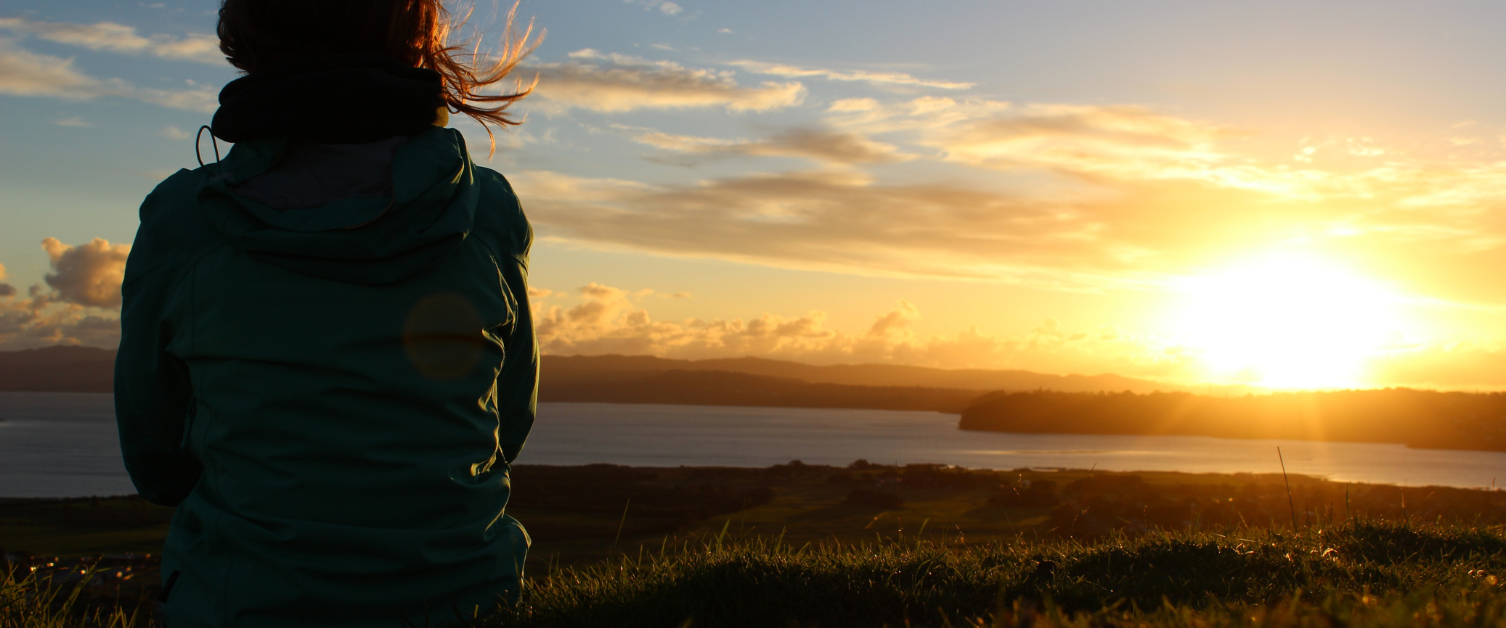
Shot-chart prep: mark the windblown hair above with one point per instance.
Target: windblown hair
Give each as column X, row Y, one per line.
column 259, row 35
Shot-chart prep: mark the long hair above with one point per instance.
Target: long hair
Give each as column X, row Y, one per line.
column 258, row 35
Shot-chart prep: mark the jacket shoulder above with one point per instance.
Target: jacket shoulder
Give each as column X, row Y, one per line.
column 173, row 230
column 499, row 216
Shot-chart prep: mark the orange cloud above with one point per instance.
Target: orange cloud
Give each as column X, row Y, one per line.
column 606, row 320
column 89, row 274
column 79, row 304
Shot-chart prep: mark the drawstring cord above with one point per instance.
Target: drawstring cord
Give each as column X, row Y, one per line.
column 197, row 137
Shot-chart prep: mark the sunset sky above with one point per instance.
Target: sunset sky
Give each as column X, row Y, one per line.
column 1287, row 194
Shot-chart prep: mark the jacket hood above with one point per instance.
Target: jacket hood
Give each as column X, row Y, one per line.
column 427, row 212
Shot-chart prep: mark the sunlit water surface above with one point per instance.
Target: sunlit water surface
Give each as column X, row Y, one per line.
column 64, row 444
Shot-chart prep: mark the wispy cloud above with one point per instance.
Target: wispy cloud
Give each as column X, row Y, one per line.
column 820, row 145
column 25, row 73
column 604, row 82
column 1124, row 142
column 663, row 6
column 112, row 37
column 1101, row 200
column 74, row 121
column 870, row 115
column 865, row 76
column 843, row 221
column 175, row 133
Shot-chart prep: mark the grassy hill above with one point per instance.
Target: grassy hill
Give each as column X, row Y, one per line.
column 919, row 545
column 1361, row 574
column 1348, row 575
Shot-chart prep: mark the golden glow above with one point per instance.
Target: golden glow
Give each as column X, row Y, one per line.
column 1288, row 321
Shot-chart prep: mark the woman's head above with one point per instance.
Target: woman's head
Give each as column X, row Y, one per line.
column 259, row 35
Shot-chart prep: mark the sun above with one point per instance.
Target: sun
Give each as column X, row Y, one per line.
column 1288, row 321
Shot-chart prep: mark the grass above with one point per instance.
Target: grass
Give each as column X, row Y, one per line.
column 33, row 599
column 963, row 549
column 1380, row 574
column 1353, row 574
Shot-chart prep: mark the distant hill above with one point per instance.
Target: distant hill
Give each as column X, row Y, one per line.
column 721, row 388
column 1418, row 418
column 611, row 367
column 57, row 369
column 646, row 379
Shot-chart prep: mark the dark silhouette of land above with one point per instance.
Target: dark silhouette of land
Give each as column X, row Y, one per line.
column 1418, row 418
column 560, row 369
column 57, row 369
column 1026, row 402
column 645, row 379
column 721, row 388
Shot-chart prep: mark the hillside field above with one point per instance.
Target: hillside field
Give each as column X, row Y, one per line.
column 920, row 545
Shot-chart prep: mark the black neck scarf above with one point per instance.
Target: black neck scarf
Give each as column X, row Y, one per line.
column 337, row 99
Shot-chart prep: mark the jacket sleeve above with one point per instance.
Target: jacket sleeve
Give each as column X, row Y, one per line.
column 153, row 395
column 518, row 383
column 507, row 231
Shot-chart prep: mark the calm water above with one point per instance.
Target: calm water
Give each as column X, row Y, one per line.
column 64, row 444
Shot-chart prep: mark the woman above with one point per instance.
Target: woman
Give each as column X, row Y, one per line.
column 327, row 361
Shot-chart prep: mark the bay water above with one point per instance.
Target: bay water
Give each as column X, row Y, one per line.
column 65, row 445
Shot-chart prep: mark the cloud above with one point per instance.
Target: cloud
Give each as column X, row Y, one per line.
column 1075, row 198
column 615, row 83
column 89, row 274
column 925, row 113
column 79, row 304
column 846, row 222
column 24, row 73
column 112, row 37
column 821, row 145
column 606, row 320
column 175, row 133
column 1123, row 142
column 875, row 78
column 663, row 6
column 75, row 121
column 24, row 328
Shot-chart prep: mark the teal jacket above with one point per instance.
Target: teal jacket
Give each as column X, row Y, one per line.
column 331, row 395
